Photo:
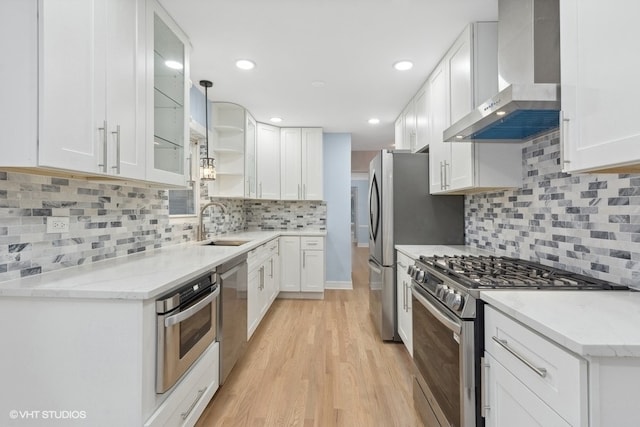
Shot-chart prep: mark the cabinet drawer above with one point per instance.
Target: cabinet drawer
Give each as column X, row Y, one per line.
column 557, row 377
column 188, row 399
column 307, row 242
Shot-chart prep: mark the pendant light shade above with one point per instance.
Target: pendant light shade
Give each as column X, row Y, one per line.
column 207, row 164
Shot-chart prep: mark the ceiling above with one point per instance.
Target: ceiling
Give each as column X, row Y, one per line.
column 350, row 45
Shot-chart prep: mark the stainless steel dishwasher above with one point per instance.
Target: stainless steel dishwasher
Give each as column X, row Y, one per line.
column 232, row 277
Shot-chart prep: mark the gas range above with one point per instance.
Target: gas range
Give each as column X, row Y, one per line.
column 457, row 280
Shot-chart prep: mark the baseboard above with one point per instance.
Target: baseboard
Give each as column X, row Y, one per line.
column 301, row 295
column 363, row 245
column 339, row 285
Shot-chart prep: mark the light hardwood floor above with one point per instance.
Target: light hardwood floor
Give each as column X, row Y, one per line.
column 318, row 363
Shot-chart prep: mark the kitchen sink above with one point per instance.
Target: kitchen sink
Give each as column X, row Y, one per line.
column 226, row 242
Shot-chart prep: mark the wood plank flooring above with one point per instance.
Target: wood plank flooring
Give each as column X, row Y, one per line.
column 318, row 363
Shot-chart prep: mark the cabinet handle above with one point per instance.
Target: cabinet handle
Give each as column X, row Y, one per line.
column 304, row 191
column 542, row 372
column 117, row 134
column 564, row 137
column 445, row 175
column 260, row 189
column 299, row 192
column 103, row 165
column 484, row 380
column 404, row 267
column 261, row 278
column 404, row 294
column 185, row 414
column 441, row 177
column 271, row 271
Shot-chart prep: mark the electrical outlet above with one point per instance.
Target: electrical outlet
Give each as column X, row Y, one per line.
column 58, row 224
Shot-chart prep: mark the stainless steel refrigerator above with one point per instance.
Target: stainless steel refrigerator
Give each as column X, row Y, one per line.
column 401, row 211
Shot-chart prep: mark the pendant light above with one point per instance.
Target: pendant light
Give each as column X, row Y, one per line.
column 207, row 164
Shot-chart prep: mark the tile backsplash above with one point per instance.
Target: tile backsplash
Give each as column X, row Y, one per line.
column 111, row 220
column 586, row 223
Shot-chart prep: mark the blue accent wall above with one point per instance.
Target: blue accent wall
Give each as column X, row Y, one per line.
column 337, row 193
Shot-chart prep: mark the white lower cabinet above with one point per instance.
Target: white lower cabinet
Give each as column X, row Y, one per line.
column 529, row 380
column 189, row 399
column 511, row 403
column 403, row 295
column 263, row 282
column 302, row 264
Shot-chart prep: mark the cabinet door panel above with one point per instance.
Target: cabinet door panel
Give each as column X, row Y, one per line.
column 290, row 264
column 291, row 162
column 459, row 67
column 511, row 403
column 312, row 271
column 422, row 118
column 312, row 159
column 599, row 83
column 439, row 151
column 268, row 162
column 125, row 97
column 72, row 81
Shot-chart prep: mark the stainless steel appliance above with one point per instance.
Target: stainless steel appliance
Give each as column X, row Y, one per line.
column 528, row 77
column 187, row 324
column 448, row 326
column 401, row 211
column 232, row 276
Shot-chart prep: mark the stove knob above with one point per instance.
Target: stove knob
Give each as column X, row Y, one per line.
column 420, row 276
column 457, row 302
column 410, row 270
column 441, row 291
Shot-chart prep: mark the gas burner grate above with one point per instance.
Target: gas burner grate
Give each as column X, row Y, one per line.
column 494, row 272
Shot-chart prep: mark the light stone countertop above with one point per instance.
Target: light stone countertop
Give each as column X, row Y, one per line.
column 589, row 323
column 143, row 275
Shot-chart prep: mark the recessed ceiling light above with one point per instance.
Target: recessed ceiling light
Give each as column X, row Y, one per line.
column 459, row 136
column 403, row 65
column 275, row 119
column 373, row 121
column 318, row 83
column 245, row 64
column 501, row 113
column 175, row 65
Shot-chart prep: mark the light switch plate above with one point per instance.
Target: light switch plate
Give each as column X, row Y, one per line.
column 58, row 224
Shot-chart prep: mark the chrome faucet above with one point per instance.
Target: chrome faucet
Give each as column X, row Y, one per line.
column 201, row 233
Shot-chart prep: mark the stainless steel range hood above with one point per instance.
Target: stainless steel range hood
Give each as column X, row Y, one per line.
column 528, row 77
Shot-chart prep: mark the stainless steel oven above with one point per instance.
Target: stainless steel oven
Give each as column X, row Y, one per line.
column 187, row 324
column 444, row 348
column 448, row 326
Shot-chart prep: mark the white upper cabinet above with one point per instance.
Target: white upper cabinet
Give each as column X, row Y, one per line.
column 312, row 164
column 599, row 62
column 251, row 134
column 421, row 105
column 399, row 133
column 168, row 93
column 409, row 120
column 79, row 92
column 466, row 77
column 302, row 164
column 268, row 162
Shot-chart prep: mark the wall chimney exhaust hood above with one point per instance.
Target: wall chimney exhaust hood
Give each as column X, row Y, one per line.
column 528, row 77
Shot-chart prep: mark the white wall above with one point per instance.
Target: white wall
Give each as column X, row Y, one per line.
column 337, row 193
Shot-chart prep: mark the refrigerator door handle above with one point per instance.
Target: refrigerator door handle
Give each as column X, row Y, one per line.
column 375, row 267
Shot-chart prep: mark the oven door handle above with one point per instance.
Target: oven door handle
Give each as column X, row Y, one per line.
column 191, row 311
column 427, row 301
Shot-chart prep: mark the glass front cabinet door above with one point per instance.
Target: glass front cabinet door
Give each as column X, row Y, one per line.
column 168, row 77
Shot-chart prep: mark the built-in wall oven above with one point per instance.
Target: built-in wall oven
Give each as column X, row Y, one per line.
column 448, row 326
column 187, row 324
